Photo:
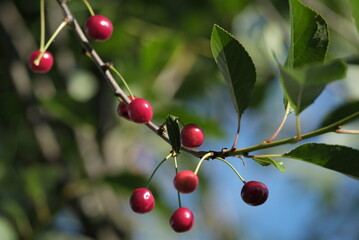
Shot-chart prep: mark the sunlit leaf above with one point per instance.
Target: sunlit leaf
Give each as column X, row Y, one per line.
column 235, row 65
column 309, row 36
column 303, row 85
column 335, row 157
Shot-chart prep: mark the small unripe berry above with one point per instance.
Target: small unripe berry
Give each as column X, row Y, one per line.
column 45, row 63
column 142, row 200
column 192, row 136
column 140, row 111
column 185, row 181
column 254, row 193
column 98, row 28
column 182, row 220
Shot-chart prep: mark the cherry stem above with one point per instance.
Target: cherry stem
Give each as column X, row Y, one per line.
column 122, row 79
column 233, row 168
column 88, row 5
column 207, row 155
column 285, row 116
column 154, row 171
column 176, row 169
column 52, row 38
column 42, row 24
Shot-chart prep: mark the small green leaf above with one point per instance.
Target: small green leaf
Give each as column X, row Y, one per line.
column 265, row 161
column 173, row 131
column 355, row 10
column 235, row 65
column 309, row 36
column 340, row 113
column 335, row 157
column 303, row 85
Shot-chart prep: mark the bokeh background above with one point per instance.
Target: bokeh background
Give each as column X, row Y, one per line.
column 68, row 163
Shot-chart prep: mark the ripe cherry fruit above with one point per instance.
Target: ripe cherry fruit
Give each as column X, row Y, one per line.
column 140, row 111
column 254, row 193
column 45, row 64
column 98, row 28
column 122, row 108
column 182, row 220
column 192, row 136
column 185, row 181
column 142, row 200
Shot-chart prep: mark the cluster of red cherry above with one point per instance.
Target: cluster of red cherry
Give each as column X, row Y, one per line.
column 139, row 110
column 142, row 200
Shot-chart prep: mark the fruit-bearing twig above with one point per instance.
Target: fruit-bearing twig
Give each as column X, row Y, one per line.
column 106, row 71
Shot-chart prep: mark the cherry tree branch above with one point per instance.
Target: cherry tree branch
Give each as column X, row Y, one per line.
column 104, row 69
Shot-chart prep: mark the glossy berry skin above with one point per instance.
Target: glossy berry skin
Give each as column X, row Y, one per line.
column 192, row 136
column 45, row 64
column 254, row 193
column 98, row 28
column 140, row 111
column 142, row 200
column 185, row 181
column 122, row 108
column 182, row 220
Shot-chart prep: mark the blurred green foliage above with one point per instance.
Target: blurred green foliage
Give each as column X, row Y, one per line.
column 68, row 163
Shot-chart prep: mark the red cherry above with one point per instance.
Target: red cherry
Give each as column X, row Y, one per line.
column 182, row 220
column 254, row 193
column 185, row 181
column 142, row 200
column 140, row 111
column 122, row 108
column 192, row 136
column 45, row 64
column 98, row 28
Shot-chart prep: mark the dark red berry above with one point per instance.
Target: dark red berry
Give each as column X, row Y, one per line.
column 98, row 28
column 254, row 193
column 192, row 136
column 140, row 111
column 185, row 181
column 182, row 220
column 45, row 63
column 122, row 109
column 142, row 200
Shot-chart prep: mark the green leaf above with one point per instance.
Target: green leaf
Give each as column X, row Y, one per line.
column 173, row 131
column 355, row 10
column 340, row 113
column 335, row 157
column 309, row 36
column 265, row 161
column 303, row 85
column 235, row 65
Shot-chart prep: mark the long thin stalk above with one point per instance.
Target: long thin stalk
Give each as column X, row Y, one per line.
column 42, row 24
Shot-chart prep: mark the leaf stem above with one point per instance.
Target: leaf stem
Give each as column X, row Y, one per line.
column 298, row 126
column 154, row 171
column 285, row 117
column 52, row 38
column 237, row 134
column 88, row 5
column 266, row 156
column 347, row 131
column 233, row 168
column 122, row 79
column 42, row 24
